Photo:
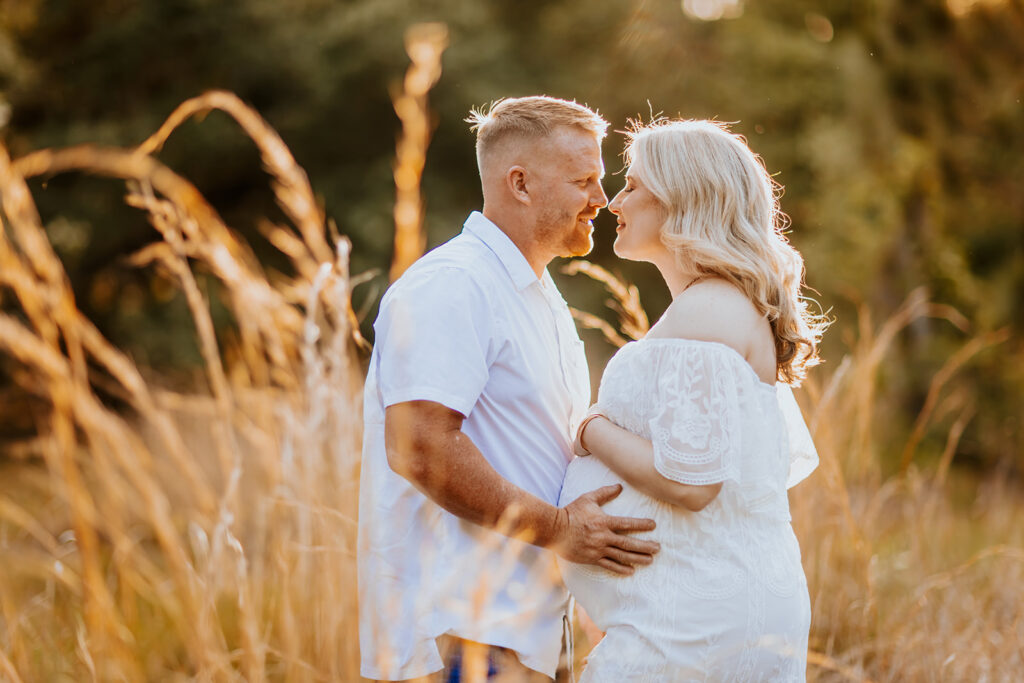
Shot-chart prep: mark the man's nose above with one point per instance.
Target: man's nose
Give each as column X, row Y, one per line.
column 602, row 198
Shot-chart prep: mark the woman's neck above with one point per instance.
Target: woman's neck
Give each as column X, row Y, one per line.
column 676, row 277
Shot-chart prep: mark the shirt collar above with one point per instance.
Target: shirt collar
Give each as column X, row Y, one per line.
column 504, row 248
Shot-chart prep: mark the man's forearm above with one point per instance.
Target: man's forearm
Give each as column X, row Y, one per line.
column 425, row 444
column 451, row 471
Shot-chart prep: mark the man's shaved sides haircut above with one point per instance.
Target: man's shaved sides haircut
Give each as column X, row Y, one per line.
column 529, row 119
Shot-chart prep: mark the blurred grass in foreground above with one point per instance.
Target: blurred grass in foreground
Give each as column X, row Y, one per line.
column 211, row 536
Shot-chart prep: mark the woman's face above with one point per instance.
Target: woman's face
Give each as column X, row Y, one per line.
column 640, row 216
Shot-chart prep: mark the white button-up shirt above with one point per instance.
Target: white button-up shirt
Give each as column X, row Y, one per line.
column 469, row 326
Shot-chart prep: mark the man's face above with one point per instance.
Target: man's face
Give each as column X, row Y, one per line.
column 570, row 167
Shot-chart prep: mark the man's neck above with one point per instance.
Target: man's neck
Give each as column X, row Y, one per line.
column 524, row 238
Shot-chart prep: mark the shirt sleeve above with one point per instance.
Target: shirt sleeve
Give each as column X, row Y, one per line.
column 433, row 336
column 696, row 434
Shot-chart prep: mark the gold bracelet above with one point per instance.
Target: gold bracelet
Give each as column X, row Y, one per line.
column 579, row 433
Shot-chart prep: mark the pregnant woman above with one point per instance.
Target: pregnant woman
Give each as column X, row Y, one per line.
column 698, row 422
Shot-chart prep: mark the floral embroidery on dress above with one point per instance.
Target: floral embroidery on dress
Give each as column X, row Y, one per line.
column 726, row 598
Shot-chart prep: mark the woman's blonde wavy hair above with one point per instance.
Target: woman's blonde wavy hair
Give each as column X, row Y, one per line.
column 724, row 221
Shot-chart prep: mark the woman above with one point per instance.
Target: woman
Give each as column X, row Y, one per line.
column 697, row 420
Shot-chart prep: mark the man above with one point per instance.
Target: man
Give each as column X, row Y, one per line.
column 475, row 387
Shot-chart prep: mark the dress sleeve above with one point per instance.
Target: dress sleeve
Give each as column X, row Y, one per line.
column 433, row 339
column 803, row 456
column 696, row 434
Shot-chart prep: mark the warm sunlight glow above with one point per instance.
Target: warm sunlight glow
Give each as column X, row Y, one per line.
column 819, row 27
column 710, row 10
column 962, row 7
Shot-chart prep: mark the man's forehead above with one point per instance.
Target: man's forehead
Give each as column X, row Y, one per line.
column 574, row 147
column 570, row 137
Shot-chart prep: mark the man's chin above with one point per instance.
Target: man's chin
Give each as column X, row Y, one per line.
column 578, row 248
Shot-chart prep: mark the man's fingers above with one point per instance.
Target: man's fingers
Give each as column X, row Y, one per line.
column 636, row 545
column 615, row 567
column 629, row 559
column 605, row 493
column 630, row 523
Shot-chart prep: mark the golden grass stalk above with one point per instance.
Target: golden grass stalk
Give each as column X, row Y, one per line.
column 424, row 43
column 942, row 377
column 290, row 183
column 872, row 348
column 625, row 302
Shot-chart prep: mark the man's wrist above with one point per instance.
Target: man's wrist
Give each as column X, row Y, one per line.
column 548, row 527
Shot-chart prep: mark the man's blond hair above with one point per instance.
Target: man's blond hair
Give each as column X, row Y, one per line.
column 529, row 118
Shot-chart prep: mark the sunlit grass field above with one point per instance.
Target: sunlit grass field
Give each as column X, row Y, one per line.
column 149, row 535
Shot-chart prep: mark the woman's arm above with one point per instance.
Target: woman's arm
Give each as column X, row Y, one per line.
column 632, row 458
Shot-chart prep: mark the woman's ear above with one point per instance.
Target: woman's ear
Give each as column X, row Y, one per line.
column 515, row 177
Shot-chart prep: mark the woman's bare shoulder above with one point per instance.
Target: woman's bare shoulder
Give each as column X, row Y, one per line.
column 713, row 310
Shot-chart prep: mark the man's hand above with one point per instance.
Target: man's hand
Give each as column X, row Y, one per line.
column 588, row 536
column 425, row 444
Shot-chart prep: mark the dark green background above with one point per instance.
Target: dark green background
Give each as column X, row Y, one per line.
column 896, row 127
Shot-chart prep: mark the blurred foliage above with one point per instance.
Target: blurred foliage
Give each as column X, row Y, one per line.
column 896, row 127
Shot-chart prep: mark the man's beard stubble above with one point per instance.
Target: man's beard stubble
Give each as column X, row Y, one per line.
column 577, row 242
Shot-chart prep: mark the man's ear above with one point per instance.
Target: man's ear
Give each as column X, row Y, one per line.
column 515, row 178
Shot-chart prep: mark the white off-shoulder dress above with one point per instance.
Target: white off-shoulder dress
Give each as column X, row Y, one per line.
column 726, row 598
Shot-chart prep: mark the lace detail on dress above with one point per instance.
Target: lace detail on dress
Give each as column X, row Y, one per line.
column 697, row 435
column 726, row 598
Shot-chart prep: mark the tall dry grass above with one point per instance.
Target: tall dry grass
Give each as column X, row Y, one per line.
column 205, row 536
column 211, row 536
column 208, row 536
column 914, row 575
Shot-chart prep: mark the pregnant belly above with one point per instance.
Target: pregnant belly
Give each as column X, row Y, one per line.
column 602, row 593
column 586, row 474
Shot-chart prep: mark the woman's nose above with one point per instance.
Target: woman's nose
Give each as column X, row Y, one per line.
column 614, row 205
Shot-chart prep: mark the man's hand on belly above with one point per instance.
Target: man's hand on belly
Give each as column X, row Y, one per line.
column 425, row 444
column 587, row 535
